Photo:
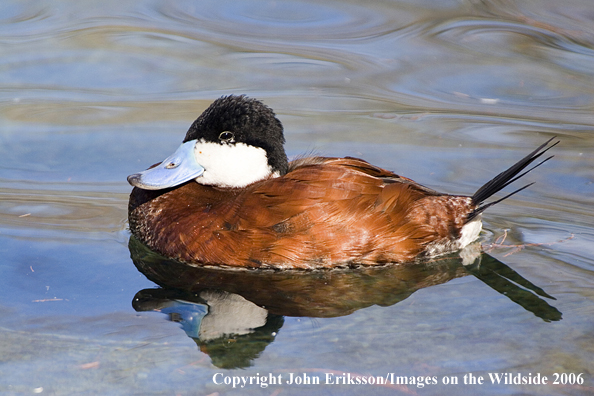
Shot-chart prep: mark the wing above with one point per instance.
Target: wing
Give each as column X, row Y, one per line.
column 325, row 212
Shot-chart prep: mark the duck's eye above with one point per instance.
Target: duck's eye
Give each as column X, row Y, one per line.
column 227, row 137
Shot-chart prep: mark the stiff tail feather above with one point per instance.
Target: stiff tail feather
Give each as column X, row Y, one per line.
column 507, row 177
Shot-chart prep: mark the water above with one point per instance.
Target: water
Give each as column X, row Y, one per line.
column 447, row 93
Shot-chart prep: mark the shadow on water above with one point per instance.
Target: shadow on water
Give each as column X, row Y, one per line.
column 232, row 315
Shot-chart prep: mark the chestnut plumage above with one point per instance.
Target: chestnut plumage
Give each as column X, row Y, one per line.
column 311, row 213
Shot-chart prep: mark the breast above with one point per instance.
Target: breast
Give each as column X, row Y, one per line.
column 324, row 212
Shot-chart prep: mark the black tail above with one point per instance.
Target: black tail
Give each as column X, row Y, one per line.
column 507, row 177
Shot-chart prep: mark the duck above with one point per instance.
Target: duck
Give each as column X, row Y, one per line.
column 229, row 197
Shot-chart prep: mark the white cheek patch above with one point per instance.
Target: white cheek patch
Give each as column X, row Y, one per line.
column 231, row 165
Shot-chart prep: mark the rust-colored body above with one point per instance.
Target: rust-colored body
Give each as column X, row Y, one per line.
column 323, row 212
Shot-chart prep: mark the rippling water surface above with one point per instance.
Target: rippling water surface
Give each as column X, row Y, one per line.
column 446, row 92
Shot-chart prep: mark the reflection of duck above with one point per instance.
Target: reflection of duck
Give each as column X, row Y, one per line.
column 338, row 292
column 249, row 207
column 233, row 315
column 230, row 329
column 322, row 293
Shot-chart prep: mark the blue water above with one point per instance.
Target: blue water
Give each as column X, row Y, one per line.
column 447, row 93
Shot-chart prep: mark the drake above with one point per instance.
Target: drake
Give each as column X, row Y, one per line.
column 229, row 197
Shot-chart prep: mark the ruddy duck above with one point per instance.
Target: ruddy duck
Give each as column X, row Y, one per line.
column 228, row 196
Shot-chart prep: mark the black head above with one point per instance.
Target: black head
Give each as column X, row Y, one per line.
column 249, row 121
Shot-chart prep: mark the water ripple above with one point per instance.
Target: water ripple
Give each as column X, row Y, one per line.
column 277, row 20
column 483, row 34
column 15, row 14
column 59, row 211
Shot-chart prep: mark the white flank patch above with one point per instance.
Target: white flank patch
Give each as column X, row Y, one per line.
column 231, row 165
column 470, row 232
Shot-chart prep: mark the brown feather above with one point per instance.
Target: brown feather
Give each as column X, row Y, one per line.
column 324, row 212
